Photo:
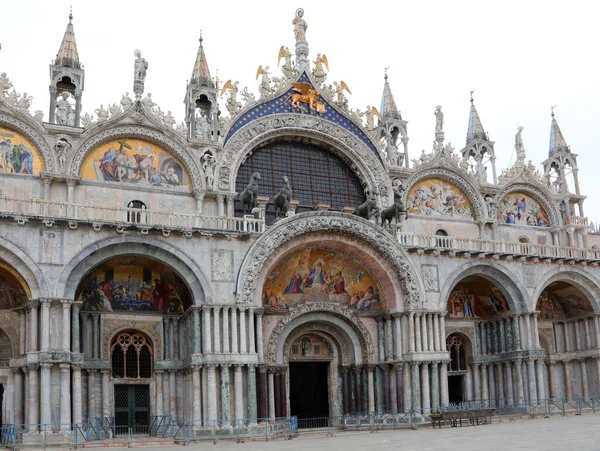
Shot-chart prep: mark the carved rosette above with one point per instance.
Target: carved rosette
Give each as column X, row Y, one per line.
column 456, row 179
column 336, row 223
column 542, row 196
column 370, row 170
column 112, row 131
column 31, row 130
column 368, row 350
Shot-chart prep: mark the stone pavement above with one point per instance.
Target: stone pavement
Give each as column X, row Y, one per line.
column 580, row 433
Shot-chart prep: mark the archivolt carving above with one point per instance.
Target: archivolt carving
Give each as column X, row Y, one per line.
column 334, row 222
column 539, row 195
column 135, row 131
column 316, row 328
column 151, row 328
column 368, row 350
column 370, row 169
column 471, row 191
column 29, row 131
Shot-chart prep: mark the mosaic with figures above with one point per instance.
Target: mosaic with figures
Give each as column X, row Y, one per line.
column 14, row 291
column 475, row 297
column 135, row 161
column 17, row 154
column 561, row 300
column 136, row 284
column 320, row 274
column 521, row 209
column 435, row 197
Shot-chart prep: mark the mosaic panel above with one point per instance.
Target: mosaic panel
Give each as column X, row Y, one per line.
column 18, row 155
column 521, row 209
column 475, row 297
column 436, row 197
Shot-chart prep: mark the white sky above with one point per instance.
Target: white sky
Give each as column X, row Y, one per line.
column 520, row 57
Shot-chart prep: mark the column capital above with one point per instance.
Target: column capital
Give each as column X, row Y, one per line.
column 238, row 366
column 158, row 372
column 357, row 368
column 64, row 367
column 259, row 311
column 66, row 303
column 345, row 369
column 272, row 370
column 105, row 371
column 210, row 366
column 262, row 367
column 32, row 367
column 251, row 366
column 45, row 366
column 225, row 366
column 77, row 306
column 91, row 371
column 415, row 364
column 45, row 302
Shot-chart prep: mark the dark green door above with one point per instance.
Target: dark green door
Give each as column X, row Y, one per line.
column 132, row 409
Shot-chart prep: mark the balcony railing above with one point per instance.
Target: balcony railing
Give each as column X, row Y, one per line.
column 141, row 218
column 502, row 248
column 577, row 220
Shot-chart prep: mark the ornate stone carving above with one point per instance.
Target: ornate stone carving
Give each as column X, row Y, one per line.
column 370, row 170
column 471, row 192
column 468, row 332
column 368, row 349
column 159, row 137
column 151, row 328
column 222, row 265
column 430, row 278
column 339, row 223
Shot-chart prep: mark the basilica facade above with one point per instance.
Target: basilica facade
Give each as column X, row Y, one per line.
column 279, row 254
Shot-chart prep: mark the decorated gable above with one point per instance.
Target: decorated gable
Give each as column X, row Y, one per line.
column 436, row 197
column 135, row 161
column 320, row 274
column 521, row 209
column 17, row 154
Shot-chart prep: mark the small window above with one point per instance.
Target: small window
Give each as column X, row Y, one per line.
column 441, row 232
column 131, row 356
column 135, row 216
column 457, row 348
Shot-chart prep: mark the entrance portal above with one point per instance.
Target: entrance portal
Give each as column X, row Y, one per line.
column 455, row 389
column 308, row 391
column 132, row 409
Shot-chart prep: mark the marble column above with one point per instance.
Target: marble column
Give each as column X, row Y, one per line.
column 500, row 378
column 95, row 336
column 430, row 332
column 277, row 393
column 65, row 394
column 262, row 391
column 484, row 339
column 398, row 366
column 243, row 347
column 206, row 341
column 425, row 391
column 509, row 334
column 45, row 325
column 66, row 325
column 105, row 394
column 552, row 377
column 196, row 331
column 418, row 332
column 175, row 331
column 283, row 392
column 91, row 394
column 491, row 381
column 252, row 401
column 251, row 336
column 9, row 398
column 234, row 331
column 23, row 332
column 516, row 333
column 536, row 334
column 397, row 338
column 578, row 346
column 584, row 378
column 411, row 332
column 389, row 340
column 197, row 394
column 443, row 334
column 435, row 385
column 371, row 388
column 166, row 390
column 75, row 328
column 541, row 389
column 503, row 347
column 217, row 329
column 272, row 411
column 518, row 370
column 444, row 381
column 158, row 384
column 45, row 392
column 568, row 389
column 532, row 381
column 436, row 333
column 357, row 388
column 424, row 340
column 476, row 382
column 344, row 370
column 387, row 390
column 259, row 334
column 19, row 398
column 596, row 320
column 173, row 393
column 34, row 400
column 226, row 348
column 494, row 331
column 509, row 383
column 212, row 392
column 33, row 327
column 567, row 336
column 588, row 335
column 484, row 383
column 239, row 392
column 416, row 387
column 168, row 351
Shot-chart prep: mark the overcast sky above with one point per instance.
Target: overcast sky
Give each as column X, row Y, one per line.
column 520, row 57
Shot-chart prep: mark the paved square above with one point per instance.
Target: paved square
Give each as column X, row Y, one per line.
column 571, row 433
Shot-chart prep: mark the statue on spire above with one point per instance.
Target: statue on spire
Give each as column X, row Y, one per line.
column 139, row 74
column 300, row 25
column 519, row 148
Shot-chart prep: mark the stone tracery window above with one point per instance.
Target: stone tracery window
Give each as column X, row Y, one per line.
column 131, row 356
column 457, row 348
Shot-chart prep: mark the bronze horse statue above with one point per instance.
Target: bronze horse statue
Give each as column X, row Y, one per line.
column 250, row 194
column 368, row 208
column 395, row 210
column 282, row 199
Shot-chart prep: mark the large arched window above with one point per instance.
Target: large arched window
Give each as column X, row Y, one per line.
column 457, row 348
column 316, row 175
column 131, row 356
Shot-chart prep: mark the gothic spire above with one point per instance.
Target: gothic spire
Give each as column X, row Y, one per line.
column 201, row 73
column 67, row 54
column 388, row 104
column 475, row 130
column 557, row 140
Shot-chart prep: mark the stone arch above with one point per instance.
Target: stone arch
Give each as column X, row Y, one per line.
column 103, row 250
column 173, row 144
column 395, row 269
column 467, row 187
column 576, row 277
column 17, row 259
column 370, row 170
column 539, row 194
column 329, row 332
column 34, row 132
column 355, row 333
column 508, row 283
column 65, row 73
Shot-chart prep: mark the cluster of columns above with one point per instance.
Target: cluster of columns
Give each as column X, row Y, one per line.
column 498, row 336
column 426, row 332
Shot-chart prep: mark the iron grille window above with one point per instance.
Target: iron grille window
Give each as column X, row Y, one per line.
column 131, row 356
column 316, row 175
column 458, row 352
